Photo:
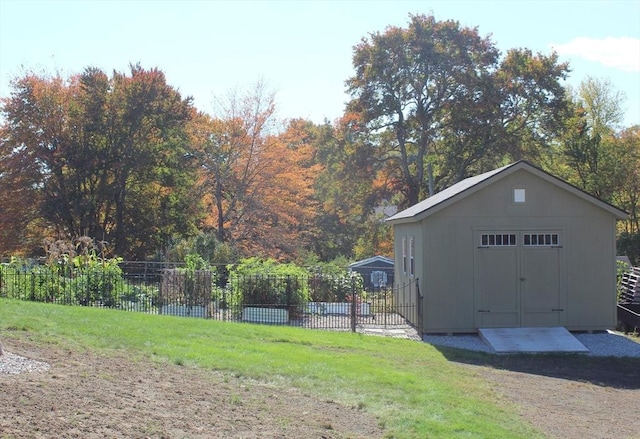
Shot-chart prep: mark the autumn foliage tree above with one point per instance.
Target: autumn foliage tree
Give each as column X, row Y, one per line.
column 256, row 182
column 100, row 156
column 18, row 203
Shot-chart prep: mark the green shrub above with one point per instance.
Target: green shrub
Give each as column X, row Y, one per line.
column 333, row 283
column 268, row 283
column 628, row 244
column 86, row 279
column 97, row 280
column 139, row 297
column 336, row 287
column 24, row 280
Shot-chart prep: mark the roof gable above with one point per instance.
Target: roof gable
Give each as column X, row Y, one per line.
column 377, row 259
column 470, row 185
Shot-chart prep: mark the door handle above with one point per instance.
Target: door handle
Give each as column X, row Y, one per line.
column 522, row 279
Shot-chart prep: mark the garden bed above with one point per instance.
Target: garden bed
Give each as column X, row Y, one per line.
column 255, row 314
column 184, row 310
column 338, row 308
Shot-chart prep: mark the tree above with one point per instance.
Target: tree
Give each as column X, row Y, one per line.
column 18, row 201
column 229, row 156
column 106, row 155
column 436, row 101
column 148, row 148
column 350, row 188
column 289, row 206
column 533, row 102
column 404, row 81
column 590, row 146
column 581, row 152
column 627, row 195
column 258, row 184
column 600, row 158
column 602, row 104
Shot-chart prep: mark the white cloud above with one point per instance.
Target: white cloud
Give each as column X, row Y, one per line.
column 619, row 53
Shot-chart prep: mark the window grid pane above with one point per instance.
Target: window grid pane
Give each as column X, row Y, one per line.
column 541, row 239
column 498, row 239
column 412, row 251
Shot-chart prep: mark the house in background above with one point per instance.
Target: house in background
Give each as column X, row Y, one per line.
column 377, row 272
column 513, row 247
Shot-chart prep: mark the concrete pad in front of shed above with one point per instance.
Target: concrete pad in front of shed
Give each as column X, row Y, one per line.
column 531, row 340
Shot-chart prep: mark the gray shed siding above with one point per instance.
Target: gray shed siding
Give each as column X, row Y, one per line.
column 447, row 248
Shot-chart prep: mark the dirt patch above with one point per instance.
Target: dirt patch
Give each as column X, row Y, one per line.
column 566, row 396
column 87, row 396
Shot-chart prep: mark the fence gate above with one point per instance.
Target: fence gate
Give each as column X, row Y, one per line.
column 391, row 309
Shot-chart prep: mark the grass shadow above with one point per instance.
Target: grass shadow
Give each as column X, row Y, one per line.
column 614, row 372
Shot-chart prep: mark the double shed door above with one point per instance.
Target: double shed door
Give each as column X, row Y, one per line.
column 518, row 279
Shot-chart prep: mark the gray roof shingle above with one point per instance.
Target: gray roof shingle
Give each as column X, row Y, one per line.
column 463, row 187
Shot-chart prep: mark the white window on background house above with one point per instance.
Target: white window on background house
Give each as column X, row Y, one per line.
column 378, row 279
column 404, row 255
column 412, row 254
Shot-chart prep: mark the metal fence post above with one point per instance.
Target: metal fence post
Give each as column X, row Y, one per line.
column 353, row 305
column 33, row 287
column 419, row 300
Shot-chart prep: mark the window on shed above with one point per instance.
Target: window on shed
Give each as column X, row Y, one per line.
column 545, row 239
column 498, row 239
column 404, row 255
column 519, row 195
column 412, row 253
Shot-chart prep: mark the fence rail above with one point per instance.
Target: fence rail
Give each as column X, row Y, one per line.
column 311, row 302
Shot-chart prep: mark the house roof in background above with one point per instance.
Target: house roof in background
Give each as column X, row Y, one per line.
column 378, row 259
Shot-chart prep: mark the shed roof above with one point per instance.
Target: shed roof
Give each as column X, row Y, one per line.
column 470, row 185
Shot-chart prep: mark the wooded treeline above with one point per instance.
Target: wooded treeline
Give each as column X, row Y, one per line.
column 128, row 161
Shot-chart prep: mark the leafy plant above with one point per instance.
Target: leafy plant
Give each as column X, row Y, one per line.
column 98, row 281
column 139, row 297
column 336, row 286
column 268, row 283
column 25, row 280
column 629, row 245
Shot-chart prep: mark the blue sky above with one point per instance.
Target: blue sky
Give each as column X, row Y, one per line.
column 301, row 49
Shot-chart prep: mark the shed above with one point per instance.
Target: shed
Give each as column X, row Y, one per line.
column 513, row 247
column 377, row 272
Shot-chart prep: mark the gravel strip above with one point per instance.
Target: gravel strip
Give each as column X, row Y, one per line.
column 11, row 364
column 604, row 344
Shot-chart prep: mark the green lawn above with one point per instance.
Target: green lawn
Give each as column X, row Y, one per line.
column 409, row 386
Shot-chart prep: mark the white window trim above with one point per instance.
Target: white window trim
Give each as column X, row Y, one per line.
column 404, row 255
column 519, row 195
column 541, row 239
column 412, row 261
column 498, row 239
